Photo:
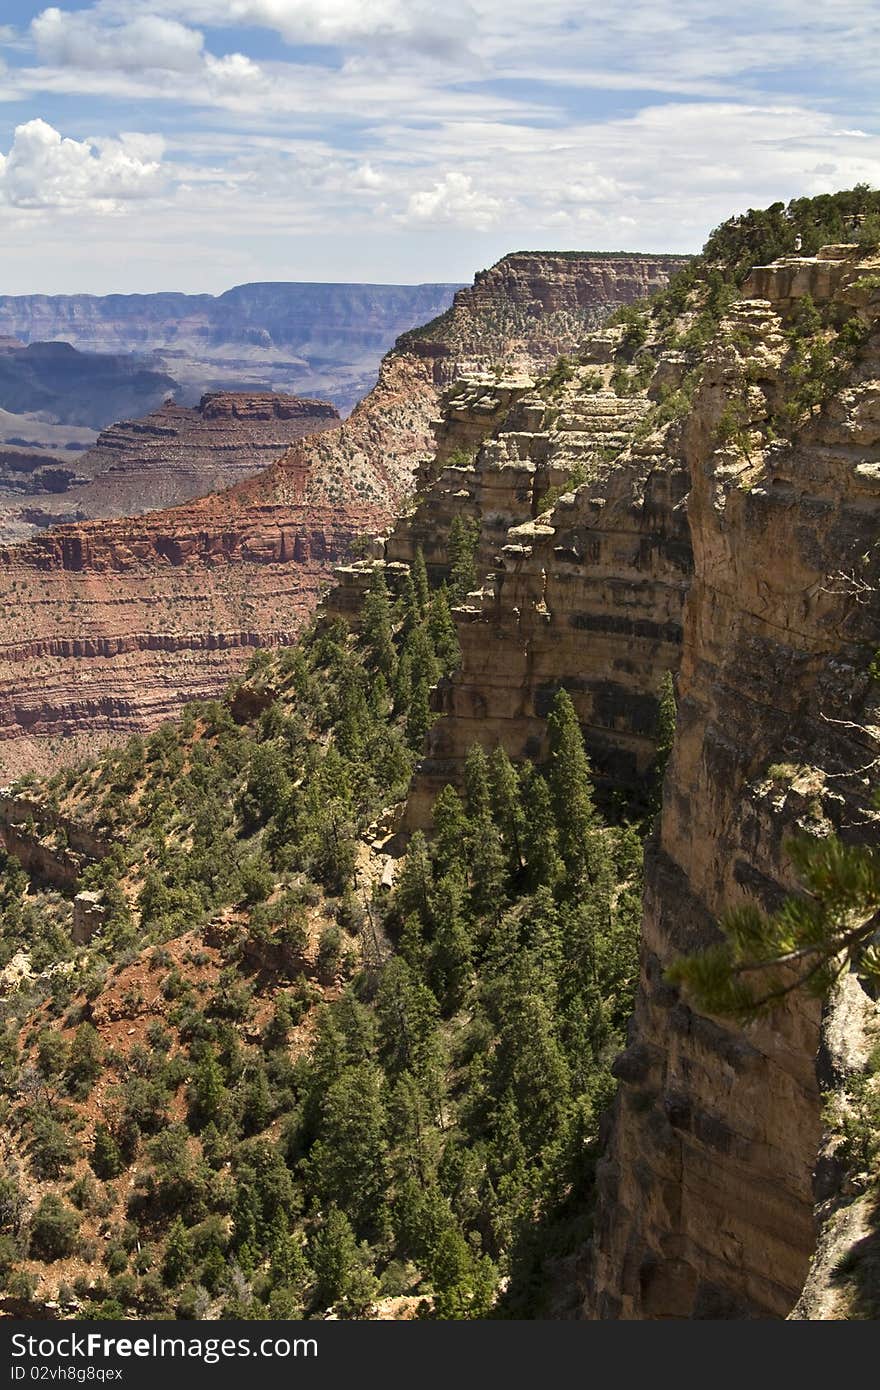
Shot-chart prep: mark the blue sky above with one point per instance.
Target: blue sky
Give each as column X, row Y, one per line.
column 195, row 144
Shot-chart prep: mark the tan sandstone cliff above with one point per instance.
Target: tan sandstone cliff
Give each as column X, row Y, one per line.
column 706, row 1205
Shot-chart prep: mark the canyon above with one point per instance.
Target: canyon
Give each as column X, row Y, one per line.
column 612, row 551
column 113, row 625
column 170, row 456
column 301, row 338
column 636, row 514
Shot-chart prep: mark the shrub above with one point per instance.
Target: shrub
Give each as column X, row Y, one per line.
column 54, row 1229
column 51, row 1148
column 106, row 1157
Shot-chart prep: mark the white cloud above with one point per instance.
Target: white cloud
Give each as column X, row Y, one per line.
column 234, row 73
column 45, row 170
column 454, row 200
column 368, row 178
column 147, row 41
column 424, row 25
column 635, row 126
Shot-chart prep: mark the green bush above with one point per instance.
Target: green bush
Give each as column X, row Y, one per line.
column 54, row 1229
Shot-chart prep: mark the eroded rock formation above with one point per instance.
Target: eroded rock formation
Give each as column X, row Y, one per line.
column 113, row 625
column 168, row 457
column 707, row 1195
column 533, row 305
column 745, row 562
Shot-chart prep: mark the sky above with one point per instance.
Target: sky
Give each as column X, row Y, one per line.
column 197, row 144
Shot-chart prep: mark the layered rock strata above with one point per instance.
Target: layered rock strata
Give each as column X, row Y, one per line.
column 115, row 624
column 707, row 1196
column 533, row 305
column 588, row 595
column 166, row 458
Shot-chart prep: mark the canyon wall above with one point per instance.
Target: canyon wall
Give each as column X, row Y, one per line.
column 588, row 596
column 174, row 454
column 534, row 305
column 707, row 1190
column 114, row 625
column 745, row 563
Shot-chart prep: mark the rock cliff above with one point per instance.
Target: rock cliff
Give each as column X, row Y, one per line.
column 588, row 596
column 114, row 625
column 533, row 305
column 744, row 561
column 168, row 457
column 706, row 1205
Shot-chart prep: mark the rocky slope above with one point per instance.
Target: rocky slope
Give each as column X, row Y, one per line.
column 168, row 457
column 220, row 576
column 323, row 339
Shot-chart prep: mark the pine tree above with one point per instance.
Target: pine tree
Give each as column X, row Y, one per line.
column 423, row 660
column 666, row 715
column 288, row 1261
column 413, row 893
column 571, row 790
column 342, row 1273
column 408, row 608
column 408, row 1025
column 452, row 951
column 403, row 683
column 413, row 1115
column 488, row 868
column 542, row 934
column 255, row 1102
column 177, row 1260
column 418, row 719
column 451, row 830
column 541, row 839
column 507, row 808
column 476, row 782
column 420, row 581
column 807, row 944
column 462, row 547
column 530, row 1059
column 348, row 1163
column 206, row 1094
column 247, row 1219
column 106, row 1159
column 376, row 625
column 84, row 1060
column 442, row 630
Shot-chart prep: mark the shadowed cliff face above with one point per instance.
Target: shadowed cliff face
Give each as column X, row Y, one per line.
column 85, row 389
column 114, row 625
column 706, row 1198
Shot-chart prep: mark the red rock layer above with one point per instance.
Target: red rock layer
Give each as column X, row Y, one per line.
column 113, row 625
